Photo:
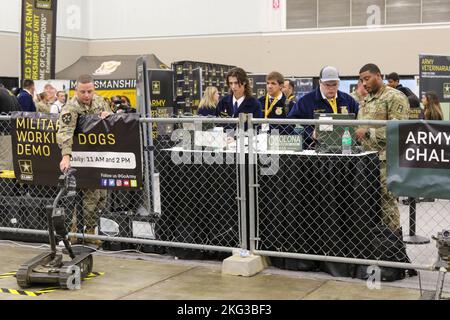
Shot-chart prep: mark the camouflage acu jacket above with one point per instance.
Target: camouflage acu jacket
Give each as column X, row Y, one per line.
column 387, row 104
column 69, row 116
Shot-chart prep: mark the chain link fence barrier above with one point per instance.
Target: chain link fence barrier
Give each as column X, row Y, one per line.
column 326, row 206
column 189, row 205
column 281, row 188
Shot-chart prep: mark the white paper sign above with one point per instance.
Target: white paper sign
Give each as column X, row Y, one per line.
column 325, row 127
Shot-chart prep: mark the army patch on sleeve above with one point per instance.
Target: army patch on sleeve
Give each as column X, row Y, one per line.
column 66, row 118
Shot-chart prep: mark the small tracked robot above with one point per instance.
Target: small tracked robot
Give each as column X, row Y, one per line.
column 49, row 267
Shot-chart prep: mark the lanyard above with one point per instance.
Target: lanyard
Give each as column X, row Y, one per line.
column 333, row 104
column 267, row 112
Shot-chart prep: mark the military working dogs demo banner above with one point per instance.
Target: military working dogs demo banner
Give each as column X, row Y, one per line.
column 418, row 158
column 38, row 39
column 106, row 153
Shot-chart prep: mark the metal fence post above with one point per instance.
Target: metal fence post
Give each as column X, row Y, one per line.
column 242, row 174
column 147, row 142
column 252, row 158
column 412, row 238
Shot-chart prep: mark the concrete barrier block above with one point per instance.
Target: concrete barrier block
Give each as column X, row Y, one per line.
column 243, row 266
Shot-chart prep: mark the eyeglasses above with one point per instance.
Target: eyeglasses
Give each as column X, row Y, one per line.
column 330, row 85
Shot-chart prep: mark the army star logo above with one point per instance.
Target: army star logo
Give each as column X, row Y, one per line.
column 261, row 92
column 66, row 118
column 447, row 88
column 26, row 166
column 156, row 87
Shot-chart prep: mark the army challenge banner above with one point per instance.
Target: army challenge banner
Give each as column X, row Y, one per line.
column 418, row 158
column 435, row 75
column 106, row 153
column 38, row 39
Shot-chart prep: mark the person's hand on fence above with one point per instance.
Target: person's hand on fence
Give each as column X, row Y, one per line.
column 360, row 133
column 104, row 114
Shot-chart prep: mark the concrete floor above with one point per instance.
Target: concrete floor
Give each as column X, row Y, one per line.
column 155, row 277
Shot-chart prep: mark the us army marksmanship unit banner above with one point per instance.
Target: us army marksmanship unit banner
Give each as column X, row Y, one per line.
column 38, row 39
column 418, row 158
column 106, row 153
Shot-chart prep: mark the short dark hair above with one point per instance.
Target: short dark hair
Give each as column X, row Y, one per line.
column 126, row 99
column 393, row 76
column 28, row 83
column 291, row 83
column 275, row 75
column 372, row 68
column 85, row 78
column 413, row 102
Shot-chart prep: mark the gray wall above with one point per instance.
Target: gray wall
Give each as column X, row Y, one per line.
column 302, row 54
column 67, row 52
column 254, row 37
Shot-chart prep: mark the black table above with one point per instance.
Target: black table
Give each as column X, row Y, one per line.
column 198, row 203
column 314, row 204
column 321, row 205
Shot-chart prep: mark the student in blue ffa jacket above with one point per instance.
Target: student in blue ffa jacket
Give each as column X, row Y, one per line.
column 240, row 99
column 25, row 96
column 210, row 99
column 325, row 99
column 289, row 91
column 274, row 103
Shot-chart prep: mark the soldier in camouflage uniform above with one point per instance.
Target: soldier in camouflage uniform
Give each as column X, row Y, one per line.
column 84, row 102
column 43, row 105
column 382, row 103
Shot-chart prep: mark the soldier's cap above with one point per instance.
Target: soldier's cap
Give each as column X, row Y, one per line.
column 329, row 73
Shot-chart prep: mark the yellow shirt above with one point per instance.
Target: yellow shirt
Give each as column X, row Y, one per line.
column 333, row 104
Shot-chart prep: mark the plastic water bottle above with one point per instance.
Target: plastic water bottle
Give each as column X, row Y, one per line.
column 346, row 142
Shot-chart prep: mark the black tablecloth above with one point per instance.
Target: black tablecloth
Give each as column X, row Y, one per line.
column 24, row 207
column 314, row 204
column 198, row 202
column 320, row 204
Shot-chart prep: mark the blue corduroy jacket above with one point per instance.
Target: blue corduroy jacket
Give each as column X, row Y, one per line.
column 26, row 101
column 249, row 105
column 207, row 112
column 313, row 102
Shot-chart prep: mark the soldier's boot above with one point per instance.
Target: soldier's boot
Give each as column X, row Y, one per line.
column 74, row 240
column 95, row 242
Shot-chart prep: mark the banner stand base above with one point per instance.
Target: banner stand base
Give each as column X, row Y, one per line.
column 415, row 240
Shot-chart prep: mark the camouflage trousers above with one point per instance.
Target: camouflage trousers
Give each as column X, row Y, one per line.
column 6, row 161
column 93, row 202
column 390, row 214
